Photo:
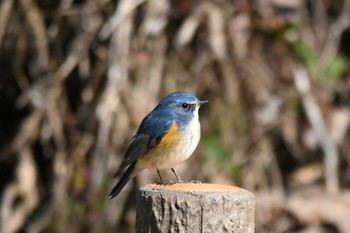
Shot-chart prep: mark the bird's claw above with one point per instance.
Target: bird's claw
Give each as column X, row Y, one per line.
column 194, row 182
column 171, row 182
column 166, row 182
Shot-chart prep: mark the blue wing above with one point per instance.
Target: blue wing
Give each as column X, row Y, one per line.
column 149, row 134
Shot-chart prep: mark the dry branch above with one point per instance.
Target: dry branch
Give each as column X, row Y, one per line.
column 5, row 12
column 331, row 156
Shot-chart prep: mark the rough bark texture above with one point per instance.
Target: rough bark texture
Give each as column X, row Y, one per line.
column 194, row 208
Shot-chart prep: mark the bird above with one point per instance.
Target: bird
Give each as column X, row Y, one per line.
column 167, row 136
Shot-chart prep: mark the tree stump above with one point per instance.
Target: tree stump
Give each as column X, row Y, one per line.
column 194, row 208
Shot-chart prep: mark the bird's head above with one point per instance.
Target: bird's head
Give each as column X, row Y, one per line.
column 184, row 106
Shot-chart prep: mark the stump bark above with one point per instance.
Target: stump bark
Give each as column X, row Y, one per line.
column 194, row 208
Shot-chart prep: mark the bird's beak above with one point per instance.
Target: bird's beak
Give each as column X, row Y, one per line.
column 200, row 102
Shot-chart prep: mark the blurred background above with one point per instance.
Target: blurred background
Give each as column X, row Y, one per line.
column 78, row 76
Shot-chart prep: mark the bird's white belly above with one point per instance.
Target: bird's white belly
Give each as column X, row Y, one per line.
column 172, row 156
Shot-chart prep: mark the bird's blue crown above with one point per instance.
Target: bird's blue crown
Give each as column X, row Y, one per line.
column 176, row 98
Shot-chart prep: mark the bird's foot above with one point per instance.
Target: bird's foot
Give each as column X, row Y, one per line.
column 166, row 182
column 194, row 182
column 171, row 182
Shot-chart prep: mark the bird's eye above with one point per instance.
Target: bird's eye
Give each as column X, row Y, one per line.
column 184, row 105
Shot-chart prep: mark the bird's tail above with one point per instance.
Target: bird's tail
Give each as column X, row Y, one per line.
column 122, row 182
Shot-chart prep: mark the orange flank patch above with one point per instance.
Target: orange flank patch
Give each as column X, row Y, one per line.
column 170, row 138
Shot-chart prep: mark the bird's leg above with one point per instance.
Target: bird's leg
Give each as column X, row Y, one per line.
column 177, row 176
column 165, row 182
column 180, row 181
column 160, row 177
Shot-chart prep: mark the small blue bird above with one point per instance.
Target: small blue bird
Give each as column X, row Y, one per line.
column 167, row 136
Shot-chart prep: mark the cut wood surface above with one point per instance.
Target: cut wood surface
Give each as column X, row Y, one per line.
column 194, row 208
